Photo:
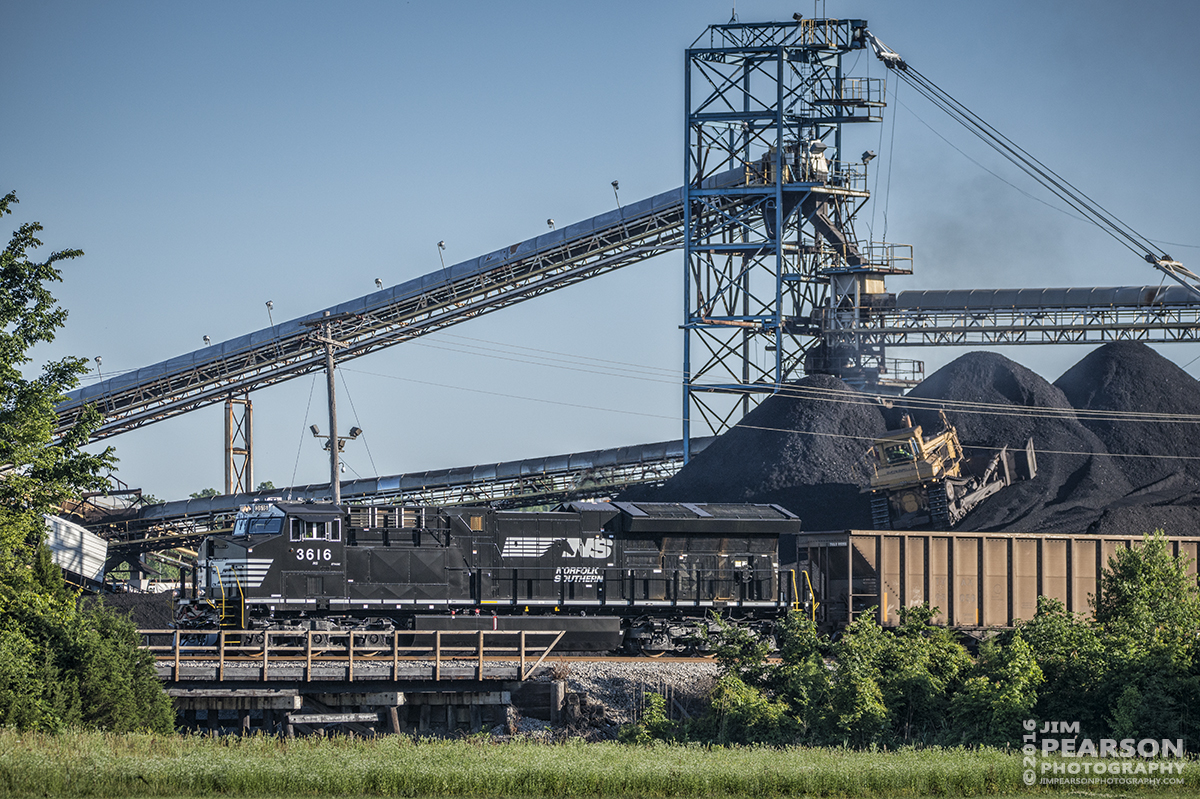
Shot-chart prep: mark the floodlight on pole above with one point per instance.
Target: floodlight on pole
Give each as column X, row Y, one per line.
column 270, row 318
column 442, row 246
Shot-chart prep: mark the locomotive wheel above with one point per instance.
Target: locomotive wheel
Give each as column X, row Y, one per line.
column 648, row 651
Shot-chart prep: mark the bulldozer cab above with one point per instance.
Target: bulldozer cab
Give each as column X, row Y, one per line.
column 890, row 453
column 907, row 455
column 921, row 479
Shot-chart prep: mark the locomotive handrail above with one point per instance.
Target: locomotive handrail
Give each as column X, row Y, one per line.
column 348, row 646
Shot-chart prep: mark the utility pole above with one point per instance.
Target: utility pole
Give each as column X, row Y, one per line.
column 323, row 334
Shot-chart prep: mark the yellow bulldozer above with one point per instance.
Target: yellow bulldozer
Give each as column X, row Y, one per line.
column 931, row 481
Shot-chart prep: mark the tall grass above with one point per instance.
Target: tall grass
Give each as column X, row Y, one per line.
column 101, row 765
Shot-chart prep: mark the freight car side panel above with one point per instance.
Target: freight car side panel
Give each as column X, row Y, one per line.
column 966, row 581
column 1023, row 578
column 975, row 580
column 995, row 585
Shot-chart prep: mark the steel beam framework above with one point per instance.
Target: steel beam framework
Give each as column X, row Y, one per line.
column 919, row 327
column 770, row 100
column 775, row 281
column 516, row 484
column 385, row 318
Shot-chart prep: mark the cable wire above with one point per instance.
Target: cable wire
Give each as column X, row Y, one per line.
column 295, row 468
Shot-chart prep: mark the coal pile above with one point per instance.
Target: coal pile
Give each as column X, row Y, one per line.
column 803, row 449
column 1069, row 488
column 806, row 450
column 1154, row 453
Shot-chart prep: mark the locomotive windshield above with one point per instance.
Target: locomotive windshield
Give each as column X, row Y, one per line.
column 270, row 525
column 261, row 519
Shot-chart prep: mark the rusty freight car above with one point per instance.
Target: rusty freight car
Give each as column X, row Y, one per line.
column 977, row 580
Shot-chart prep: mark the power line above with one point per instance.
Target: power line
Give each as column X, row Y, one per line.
column 850, row 396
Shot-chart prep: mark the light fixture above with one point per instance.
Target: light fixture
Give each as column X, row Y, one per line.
column 442, row 246
column 797, row 17
column 378, row 283
column 868, row 156
column 550, row 223
column 207, row 341
column 355, row 432
column 270, row 318
column 316, row 431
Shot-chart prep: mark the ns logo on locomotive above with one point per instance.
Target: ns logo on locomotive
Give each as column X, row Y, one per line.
column 620, row 575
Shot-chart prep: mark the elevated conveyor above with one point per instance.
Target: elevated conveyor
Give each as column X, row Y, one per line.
column 1157, row 314
column 455, row 294
column 522, row 483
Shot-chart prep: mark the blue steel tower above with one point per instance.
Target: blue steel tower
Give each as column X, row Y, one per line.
column 776, row 282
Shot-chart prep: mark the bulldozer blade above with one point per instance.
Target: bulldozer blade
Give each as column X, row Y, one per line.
column 1029, row 467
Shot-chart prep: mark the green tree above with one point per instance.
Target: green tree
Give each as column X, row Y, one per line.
column 58, row 666
column 36, row 472
column 1147, row 618
column 205, row 493
column 857, row 713
column 999, row 694
column 801, row 679
column 919, row 673
column 1071, row 655
column 1146, row 592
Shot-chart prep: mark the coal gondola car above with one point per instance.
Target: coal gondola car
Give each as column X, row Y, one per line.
column 615, row 575
column 979, row 582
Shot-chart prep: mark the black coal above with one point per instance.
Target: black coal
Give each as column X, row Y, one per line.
column 807, row 451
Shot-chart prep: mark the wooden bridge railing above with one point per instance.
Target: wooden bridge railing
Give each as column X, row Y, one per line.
column 264, row 647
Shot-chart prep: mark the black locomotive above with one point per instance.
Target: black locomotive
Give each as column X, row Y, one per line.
column 612, row 575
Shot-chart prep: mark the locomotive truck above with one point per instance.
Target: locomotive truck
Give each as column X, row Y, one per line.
column 613, row 576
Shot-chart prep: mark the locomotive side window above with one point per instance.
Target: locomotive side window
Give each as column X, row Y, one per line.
column 302, row 530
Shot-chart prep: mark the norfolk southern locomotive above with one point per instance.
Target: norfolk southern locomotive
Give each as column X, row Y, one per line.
column 612, row 575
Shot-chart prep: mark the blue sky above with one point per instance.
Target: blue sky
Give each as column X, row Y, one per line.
column 211, row 156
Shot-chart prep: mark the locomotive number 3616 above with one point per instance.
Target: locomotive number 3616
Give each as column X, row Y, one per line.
column 314, row 555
